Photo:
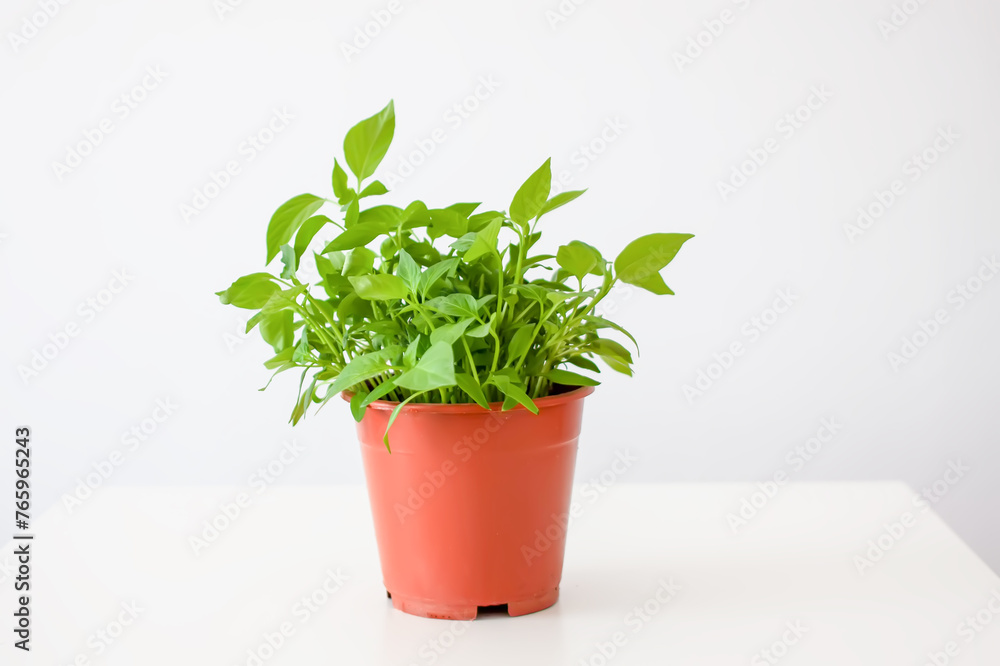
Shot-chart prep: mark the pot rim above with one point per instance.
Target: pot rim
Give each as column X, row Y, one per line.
column 473, row 408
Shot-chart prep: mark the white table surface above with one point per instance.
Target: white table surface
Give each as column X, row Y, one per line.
column 793, row 563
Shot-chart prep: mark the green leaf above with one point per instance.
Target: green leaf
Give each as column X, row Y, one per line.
column 358, row 261
column 610, row 348
column 250, row 291
column 385, row 217
column 353, row 306
column 435, row 273
column 377, row 393
column 464, row 209
column 568, row 378
column 537, row 259
column 532, row 195
column 557, row 296
column 356, row 236
column 283, row 300
column 416, row 210
column 304, row 399
column 306, row 233
column 412, row 351
column 520, row 343
column 340, row 188
column 435, row 369
column 362, row 368
column 558, row 200
column 613, row 354
column 392, row 419
column 329, row 269
column 446, row 222
column 583, row 362
column 301, row 354
column 534, row 291
column 276, row 329
column 642, row 260
column 367, row 142
column 450, row 333
column 464, row 243
column 480, row 220
column 455, row 305
column 601, row 322
column 281, row 358
column 335, row 259
column 374, row 188
column 485, row 241
column 480, row 331
column 509, row 388
column 287, row 220
column 351, row 213
column 288, row 262
column 578, row 259
column 468, row 383
column 378, row 287
column 408, row 271
column 617, row 365
column 358, row 409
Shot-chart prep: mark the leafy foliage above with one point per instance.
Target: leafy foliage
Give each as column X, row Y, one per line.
column 442, row 305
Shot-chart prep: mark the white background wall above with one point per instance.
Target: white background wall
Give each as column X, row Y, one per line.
column 558, row 84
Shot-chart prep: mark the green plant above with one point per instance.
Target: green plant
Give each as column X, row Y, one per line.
column 444, row 305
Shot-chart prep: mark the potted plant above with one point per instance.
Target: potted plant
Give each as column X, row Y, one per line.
column 464, row 356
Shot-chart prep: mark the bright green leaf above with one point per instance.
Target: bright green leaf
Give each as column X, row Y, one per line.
column 351, row 213
column 250, row 291
column 408, row 271
column 435, row 369
column 520, row 343
column 367, row 142
column 576, row 259
column 307, row 232
column 286, row 299
column 378, row 287
column 450, row 333
column 485, row 241
column 642, row 260
column 385, row 217
column 357, row 408
column 301, row 354
column 532, row 195
column 568, row 378
column 583, row 362
column 358, row 261
column 287, row 220
column 379, row 392
column 289, row 262
column 435, row 273
column 468, row 383
column 455, row 305
column 340, row 188
column 512, row 390
column 446, row 222
column 558, row 200
column 281, row 358
column 374, row 188
column 356, row 236
column 276, row 329
column 362, row 368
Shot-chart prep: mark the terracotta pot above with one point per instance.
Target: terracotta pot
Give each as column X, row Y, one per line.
column 471, row 506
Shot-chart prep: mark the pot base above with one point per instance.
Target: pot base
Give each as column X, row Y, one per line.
column 439, row 611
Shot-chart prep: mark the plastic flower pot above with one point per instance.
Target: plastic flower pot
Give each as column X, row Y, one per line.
column 471, row 506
